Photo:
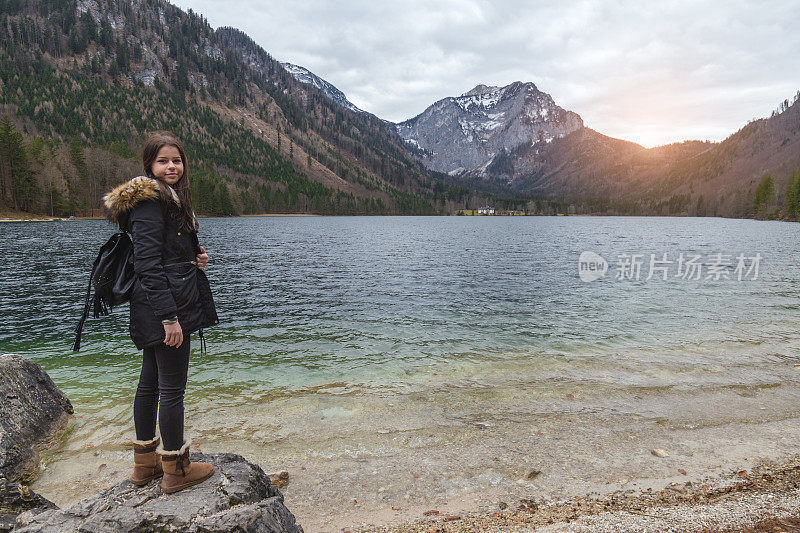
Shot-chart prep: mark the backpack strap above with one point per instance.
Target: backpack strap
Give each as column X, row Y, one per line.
column 79, row 329
column 203, row 349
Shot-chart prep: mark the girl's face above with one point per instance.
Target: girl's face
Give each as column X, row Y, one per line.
column 168, row 166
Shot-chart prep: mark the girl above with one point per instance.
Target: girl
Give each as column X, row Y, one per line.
column 171, row 299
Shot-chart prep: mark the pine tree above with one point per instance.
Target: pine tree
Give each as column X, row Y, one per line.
column 792, row 205
column 765, row 194
column 87, row 179
column 18, row 182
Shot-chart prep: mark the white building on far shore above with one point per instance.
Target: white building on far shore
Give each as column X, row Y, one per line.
column 486, row 210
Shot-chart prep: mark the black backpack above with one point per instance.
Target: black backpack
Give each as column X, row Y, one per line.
column 112, row 276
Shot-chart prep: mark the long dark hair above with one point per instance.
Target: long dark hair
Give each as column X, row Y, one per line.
column 183, row 213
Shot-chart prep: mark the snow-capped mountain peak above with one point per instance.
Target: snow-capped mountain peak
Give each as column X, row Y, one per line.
column 304, row 75
column 465, row 134
column 481, row 89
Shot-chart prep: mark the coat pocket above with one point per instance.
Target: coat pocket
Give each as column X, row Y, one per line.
column 183, row 284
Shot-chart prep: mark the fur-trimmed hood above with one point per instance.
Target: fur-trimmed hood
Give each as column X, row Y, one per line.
column 124, row 197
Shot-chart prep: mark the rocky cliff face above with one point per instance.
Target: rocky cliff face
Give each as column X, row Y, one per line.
column 474, row 133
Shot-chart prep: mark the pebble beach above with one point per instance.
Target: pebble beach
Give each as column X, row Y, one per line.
column 764, row 498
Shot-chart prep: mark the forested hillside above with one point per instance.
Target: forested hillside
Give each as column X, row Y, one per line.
column 81, row 82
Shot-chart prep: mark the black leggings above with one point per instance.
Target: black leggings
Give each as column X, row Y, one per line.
column 164, row 370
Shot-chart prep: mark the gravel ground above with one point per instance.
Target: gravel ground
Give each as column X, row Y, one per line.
column 766, row 498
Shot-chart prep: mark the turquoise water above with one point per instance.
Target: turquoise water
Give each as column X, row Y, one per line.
column 305, row 301
column 386, row 338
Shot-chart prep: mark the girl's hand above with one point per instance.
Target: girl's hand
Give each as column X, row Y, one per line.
column 173, row 334
column 202, row 258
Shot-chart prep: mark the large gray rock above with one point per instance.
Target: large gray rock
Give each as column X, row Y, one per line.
column 34, row 414
column 238, row 497
column 16, row 498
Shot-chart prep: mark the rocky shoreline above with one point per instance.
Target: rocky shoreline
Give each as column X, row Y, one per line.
column 238, row 496
column 765, row 498
column 35, row 414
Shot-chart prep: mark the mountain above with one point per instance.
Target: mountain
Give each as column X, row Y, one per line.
column 589, row 164
column 83, row 81
column 474, row 132
column 693, row 177
column 517, row 139
column 304, row 75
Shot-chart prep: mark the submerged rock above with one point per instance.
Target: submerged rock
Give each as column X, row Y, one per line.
column 238, row 497
column 34, row 414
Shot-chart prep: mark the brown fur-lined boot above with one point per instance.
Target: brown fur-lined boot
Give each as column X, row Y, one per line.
column 146, row 465
column 179, row 471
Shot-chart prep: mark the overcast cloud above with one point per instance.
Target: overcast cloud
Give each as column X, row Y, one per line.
column 649, row 72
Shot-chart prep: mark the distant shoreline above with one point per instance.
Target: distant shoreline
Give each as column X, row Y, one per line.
column 22, row 218
column 279, row 215
column 26, row 218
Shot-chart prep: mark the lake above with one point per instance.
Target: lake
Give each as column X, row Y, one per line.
column 412, row 361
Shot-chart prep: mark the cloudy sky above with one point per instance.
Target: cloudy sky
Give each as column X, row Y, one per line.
column 649, row 72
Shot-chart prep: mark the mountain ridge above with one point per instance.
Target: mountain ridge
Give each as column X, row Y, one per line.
column 689, row 177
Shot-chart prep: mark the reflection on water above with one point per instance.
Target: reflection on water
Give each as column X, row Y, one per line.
column 360, row 338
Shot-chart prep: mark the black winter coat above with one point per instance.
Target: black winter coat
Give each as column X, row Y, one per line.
column 167, row 281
